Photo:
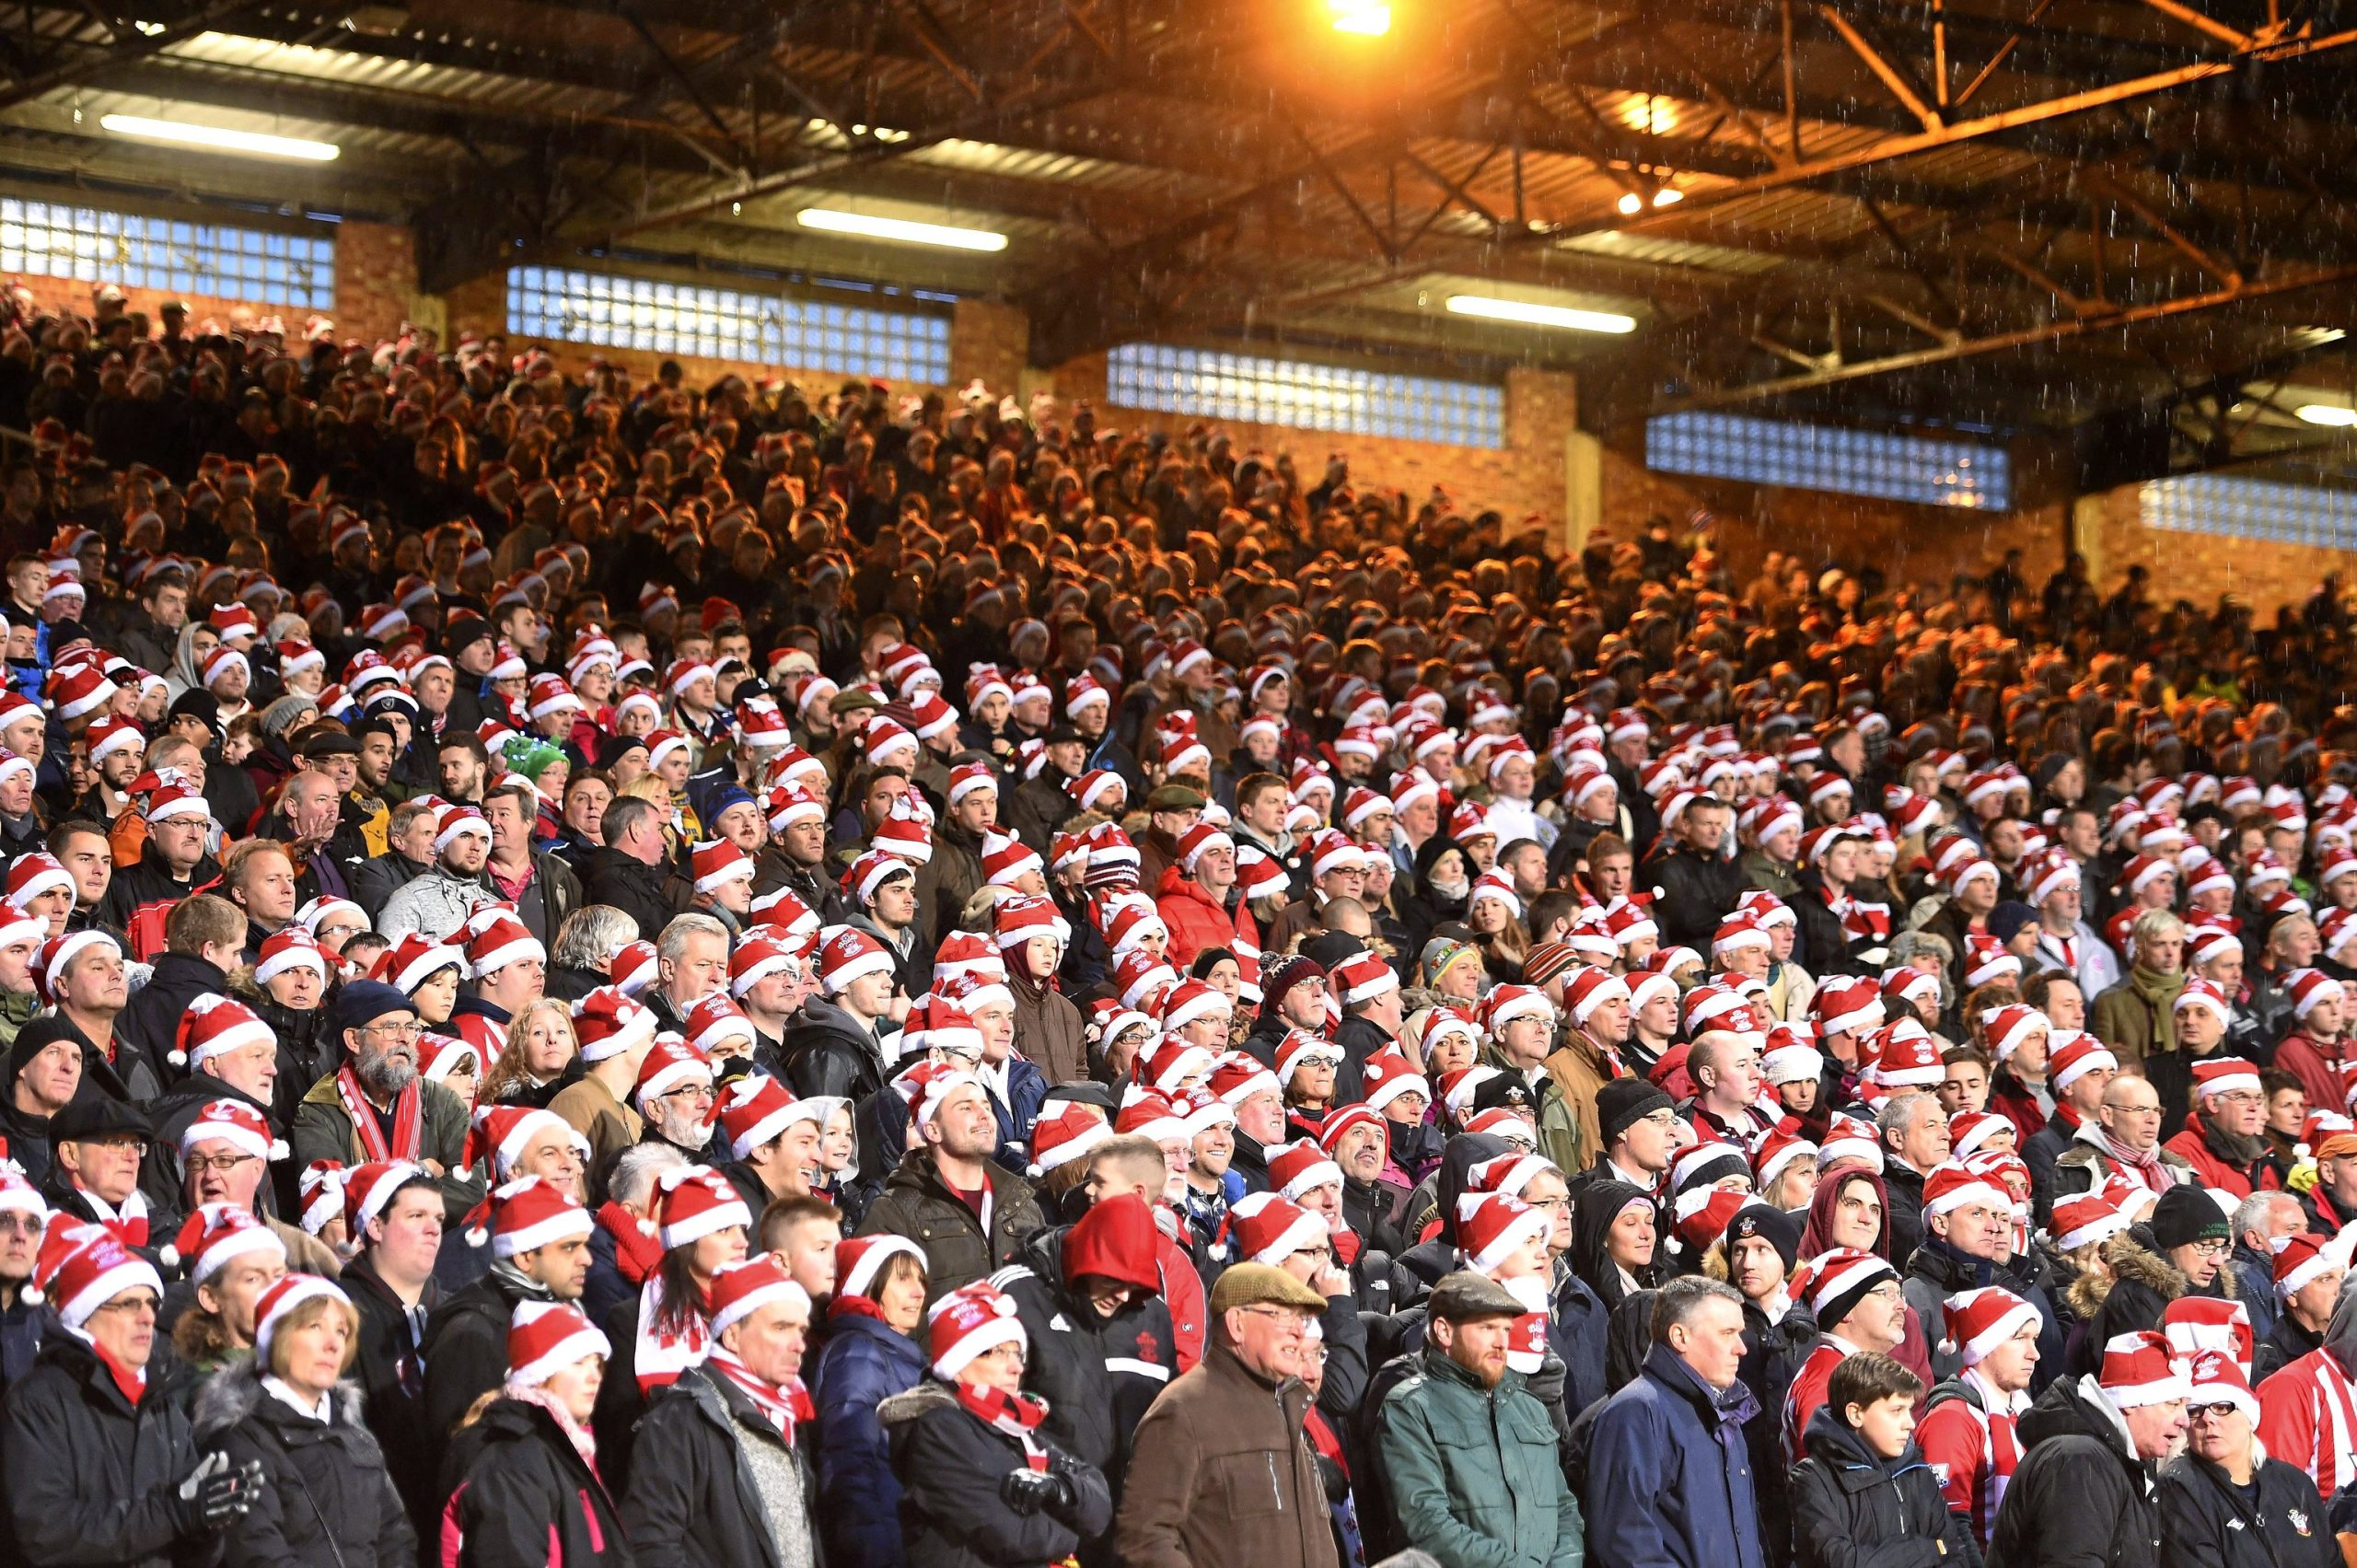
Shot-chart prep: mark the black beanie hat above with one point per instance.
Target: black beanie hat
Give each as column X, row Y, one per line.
column 2184, row 1215
column 1624, row 1101
column 1779, row 1228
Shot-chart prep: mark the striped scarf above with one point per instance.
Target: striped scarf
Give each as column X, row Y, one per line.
column 1017, row 1415
column 783, row 1407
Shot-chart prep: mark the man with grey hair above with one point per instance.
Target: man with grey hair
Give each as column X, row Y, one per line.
column 691, row 963
column 1914, row 1139
column 1669, row 1473
column 617, row 1247
column 2260, row 1222
column 582, row 953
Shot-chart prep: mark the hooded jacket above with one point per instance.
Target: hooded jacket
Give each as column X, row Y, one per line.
column 1097, row 1375
column 2143, row 1281
column 1853, row 1508
column 326, row 1500
column 1430, row 1260
column 1048, row 1027
column 2080, row 1494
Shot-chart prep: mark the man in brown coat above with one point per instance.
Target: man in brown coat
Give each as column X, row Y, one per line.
column 1221, row 1473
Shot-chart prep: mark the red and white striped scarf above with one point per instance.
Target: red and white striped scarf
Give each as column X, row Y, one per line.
column 1016, row 1415
column 409, row 1129
column 2001, row 1450
column 785, row 1406
column 662, row 1355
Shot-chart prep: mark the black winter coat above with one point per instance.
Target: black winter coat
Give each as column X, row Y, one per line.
column 641, row 891
column 325, row 1501
column 915, row 1204
column 149, row 1023
column 828, row 1051
column 466, row 1348
column 1096, row 1375
column 702, row 1507
column 2080, row 1495
column 2206, row 1522
column 1696, row 894
column 949, row 1465
column 391, row 1375
column 1853, row 1509
column 526, row 1485
column 92, row 1480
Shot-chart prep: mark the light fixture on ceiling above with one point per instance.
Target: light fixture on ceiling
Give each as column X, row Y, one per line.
column 2337, row 414
column 1630, row 203
column 1669, row 196
column 1524, row 314
column 1368, row 18
column 831, row 220
column 219, row 139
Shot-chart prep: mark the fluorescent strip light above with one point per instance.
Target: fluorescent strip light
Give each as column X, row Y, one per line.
column 2327, row 413
column 1491, row 309
column 860, row 224
column 219, row 139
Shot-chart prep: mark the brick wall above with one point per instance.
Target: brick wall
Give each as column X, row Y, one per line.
column 1525, row 478
column 2200, row 567
column 376, row 280
column 989, row 343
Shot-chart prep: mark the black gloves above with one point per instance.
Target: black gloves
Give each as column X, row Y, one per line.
column 216, row 1495
column 1028, row 1492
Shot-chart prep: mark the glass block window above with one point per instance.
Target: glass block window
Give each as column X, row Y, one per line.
column 1822, row 457
column 610, row 311
column 1167, row 379
column 254, row 266
column 2250, row 508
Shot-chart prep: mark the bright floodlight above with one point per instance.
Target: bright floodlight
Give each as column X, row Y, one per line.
column 1515, row 311
column 219, row 139
column 2327, row 413
column 902, row 230
column 1365, row 17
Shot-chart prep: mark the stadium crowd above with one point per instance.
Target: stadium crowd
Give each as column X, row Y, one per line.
column 597, row 973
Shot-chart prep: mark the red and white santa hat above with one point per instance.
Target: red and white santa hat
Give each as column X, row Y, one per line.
column 2139, row 1369
column 1492, row 1225
column 1268, row 1230
column 2074, row 1054
column 1362, row 978
column 320, row 1188
column 1792, row 1056
column 2087, row 1217
column 1066, row 1131
column 1300, row 1168
column 215, row 1025
column 608, row 1023
column 1952, row 1186
column 755, row 1109
column 670, row 1063
column 368, row 1187
column 1005, row 859
column 2007, row 1029
column 215, row 1233
column 524, row 1215
column 904, row 837
column 291, row 947
column 846, row 953
column 495, row 938
column 2310, row 987
column 1908, row 1057
column 2213, row 1377
column 2193, row 1324
column 716, row 1020
column 1969, row 1131
column 33, row 875
column 1388, row 1075
column 698, row 1202
column 632, row 968
column 278, row 1304
column 1980, row 1321
column 236, row 1123
column 740, row 1290
column 413, row 959
column 759, row 955
column 546, row 1337
column 859, row 1259
column 500, row 1132
column 2302, row 1259
column 2216, row 1076
column 968, row 1322
column 82, row 1267
column 2199, row 992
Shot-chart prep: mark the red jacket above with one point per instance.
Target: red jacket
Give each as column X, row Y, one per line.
column 1197, row 920
column 2213, row 1172
column 2010, row 1099
column 2317, row 1066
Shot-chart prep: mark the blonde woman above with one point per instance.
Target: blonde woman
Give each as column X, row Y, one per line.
column 541, row 1057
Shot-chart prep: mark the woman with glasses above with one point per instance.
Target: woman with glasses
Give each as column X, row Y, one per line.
column 2225, row 1502
column 980, row 1484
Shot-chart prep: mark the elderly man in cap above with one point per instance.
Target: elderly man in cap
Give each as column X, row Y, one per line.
column 1469, row 1454
column 442, row 900
column 379, row 1107
column 1222, row 1474
column 96, row 1147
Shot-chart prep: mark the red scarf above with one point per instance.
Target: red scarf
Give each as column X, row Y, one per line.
column 131, row 1380
column 1015, row 1414
column 636, row 1250
column 783, row 1407
column 664, row 1353
column 409, row 1132
column 128, row 1223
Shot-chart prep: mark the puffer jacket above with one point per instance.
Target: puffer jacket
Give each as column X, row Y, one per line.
column 326, row 1500
column 2142, row 1284
column 1197, row 920
column 2081, row 1495
column 866, row 1362
column 917, row 1204
column 1472, row 1471
column 94, row 1480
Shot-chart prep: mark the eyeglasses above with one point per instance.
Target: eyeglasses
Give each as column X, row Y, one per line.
column 396, row 1031
column 129, row 1306
column 1551, row 1205
column 2215, row 1412
column 1313, row 1252
column 698, row 1092
column 1291, row 1321
column 224, row 1163
column 2213, row 1249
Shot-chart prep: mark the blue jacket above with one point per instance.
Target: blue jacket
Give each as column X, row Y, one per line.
column 866, row 1362
column 1669, row 1479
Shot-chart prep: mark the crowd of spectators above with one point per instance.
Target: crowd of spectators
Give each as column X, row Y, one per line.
column 597, row 973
